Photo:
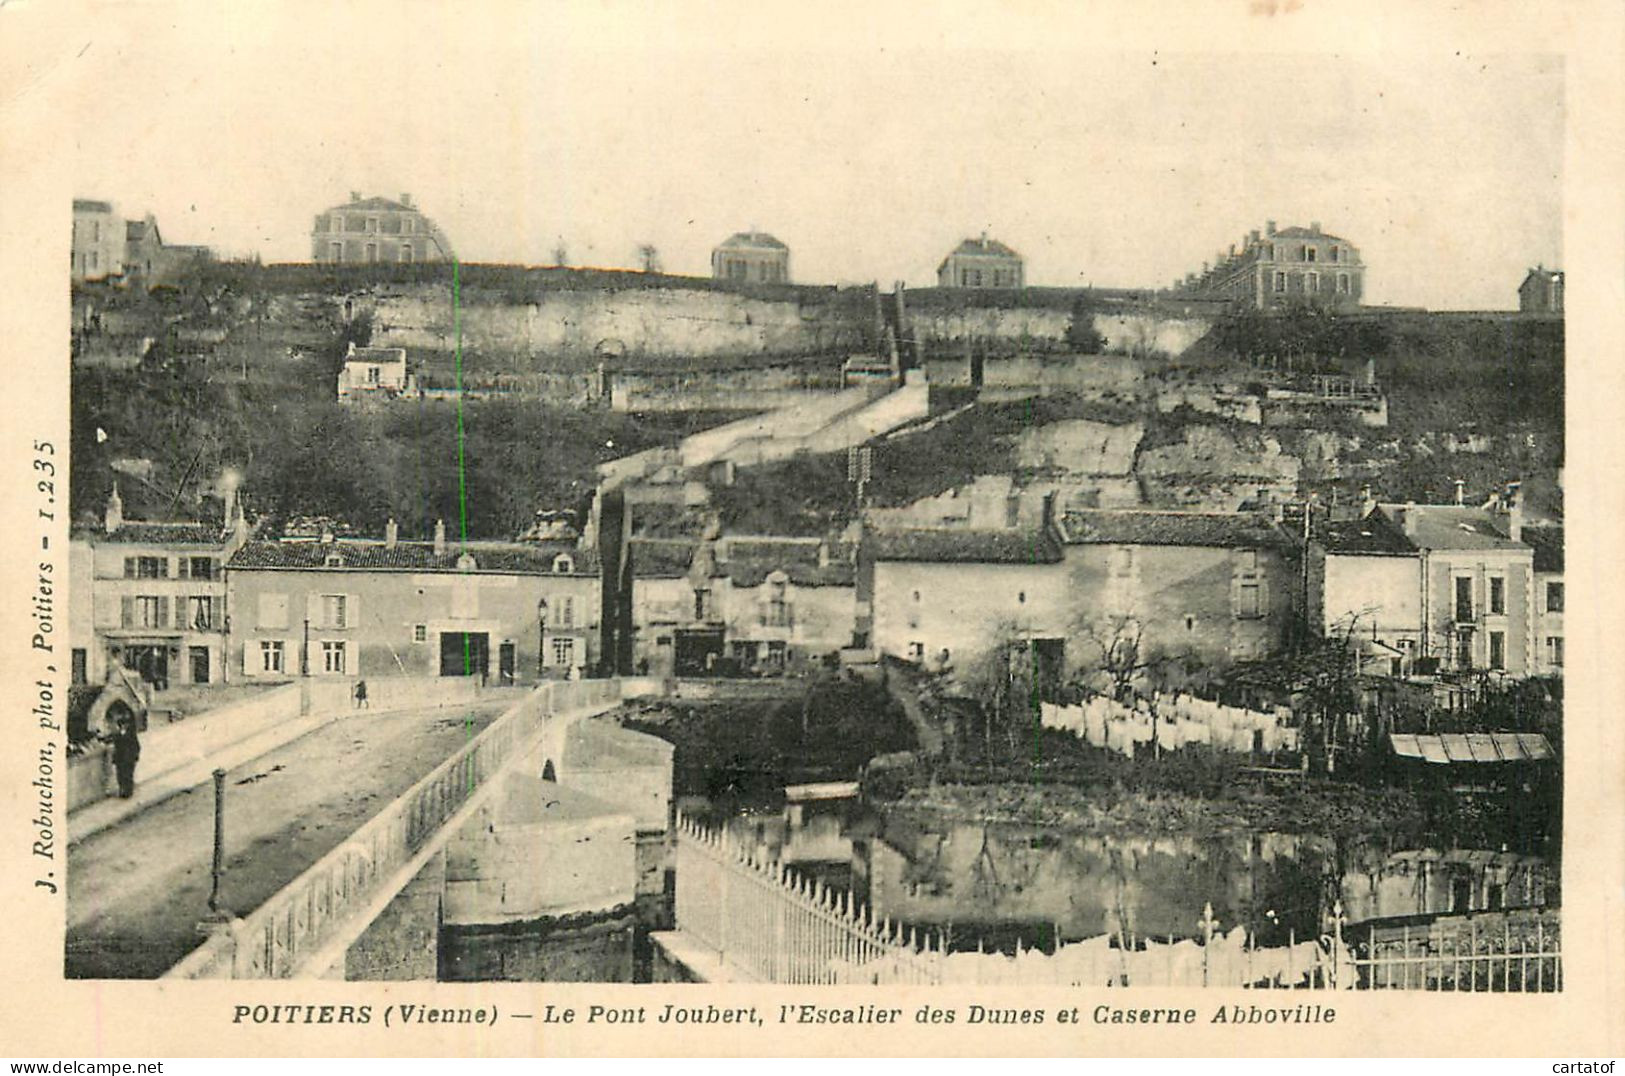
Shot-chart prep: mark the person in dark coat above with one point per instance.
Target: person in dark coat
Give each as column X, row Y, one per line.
column 126, row 751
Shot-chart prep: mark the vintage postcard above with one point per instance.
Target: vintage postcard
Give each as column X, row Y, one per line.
column 594, row 529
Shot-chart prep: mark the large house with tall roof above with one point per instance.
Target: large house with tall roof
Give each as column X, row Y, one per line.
column 368, row 230
column 751, row 258
column 1281, row 267
column 981, row 263
column 509, row 612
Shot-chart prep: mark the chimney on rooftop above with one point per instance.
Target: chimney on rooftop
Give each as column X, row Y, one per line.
column 1269, row 227
column 392, row 533
column 1253, row 237
column 1514, row 512
column 406, row 200
column 355, row 196
column 1407, row 519
column 1461, row 491
column 439, row 537
column 1314, row 226
column 114, row 518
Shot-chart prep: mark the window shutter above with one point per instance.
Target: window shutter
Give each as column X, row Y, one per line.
column 163, row 613
column 129, row 567
column 184, row 564
column 313, row 609
column 126, row 612
column 352, row 611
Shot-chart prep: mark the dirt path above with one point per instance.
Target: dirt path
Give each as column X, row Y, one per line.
column 137, row 891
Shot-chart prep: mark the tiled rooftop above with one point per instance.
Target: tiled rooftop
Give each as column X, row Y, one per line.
column 1211, row 529
column 967, row 545
column 529, row 558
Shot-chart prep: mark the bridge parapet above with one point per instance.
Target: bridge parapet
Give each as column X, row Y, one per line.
column 291, row 934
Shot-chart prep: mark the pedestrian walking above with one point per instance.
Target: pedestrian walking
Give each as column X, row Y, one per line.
column 126, row 751
column 361, row 695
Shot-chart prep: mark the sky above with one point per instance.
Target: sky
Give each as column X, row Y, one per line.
column 1101, row 165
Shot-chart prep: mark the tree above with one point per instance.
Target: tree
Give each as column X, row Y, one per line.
column 649, row 258
column 1118, row 651
column 561, row 253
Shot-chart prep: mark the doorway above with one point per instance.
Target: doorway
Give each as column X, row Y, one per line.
column 465, row 653
column 150, row 662
column 200, row 664
column 505, row 663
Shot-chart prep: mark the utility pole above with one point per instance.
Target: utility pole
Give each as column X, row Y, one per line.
column 304, row 651
column 219, row 867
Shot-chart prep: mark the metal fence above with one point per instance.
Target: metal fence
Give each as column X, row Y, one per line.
column 1500, row 952
column 773, row 926
column 277, row 938
column 768, row 924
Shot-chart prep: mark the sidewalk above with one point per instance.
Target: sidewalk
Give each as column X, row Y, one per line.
column 93, row 818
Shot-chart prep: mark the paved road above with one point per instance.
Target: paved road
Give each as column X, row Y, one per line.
column 137, row 891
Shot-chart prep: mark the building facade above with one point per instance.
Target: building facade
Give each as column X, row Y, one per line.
column 98, row 241
column 1478, row 596
column 1541, row 291
column 947, row 595
column 981, row 263
column 751, row 258
column 151, row 597
column 1283, row 267
column 375, row 373
column 1203, row 588
column 1365, row 586
column 784, row 601
column 1547, row 542
column 371, row 230
column 508, row 612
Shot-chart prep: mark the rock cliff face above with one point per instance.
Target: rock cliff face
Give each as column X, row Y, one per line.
column 587, row 324
column 1079, row 447
column 1211, row 467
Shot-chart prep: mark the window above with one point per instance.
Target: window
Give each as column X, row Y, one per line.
column 372, row 224
column 778, row 606
column 1122, row 560
column 1249, row 601
column 1311, row 283
column 777, row 651
column 336, row 251
column 563, row 564
column 198, row 568
column 564, row 651
column 1464, row 599
column 1554, row 651
column 1249, row 560
column 1310, row 253
column 271, row 656
column 1190, row 622
column 1280, row 282
column 332, row 657
column 200, row 613
column 702, row 603
column 148, row 612
column 406, row 252
column 1498, row 595
column 334, row 610
column 567, row 612
column 1498, row 649
column 916, row 651
column 146, row 567
column 420, row 633
column 1337, row 253
column 1554, row 598
column 273, row 611
column 95, row 231
column 1272, row 255
column 372, row 252
column 1464, row 649
column 337, row 224
column 1342, row 283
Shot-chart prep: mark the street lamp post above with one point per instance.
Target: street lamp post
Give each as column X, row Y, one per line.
column 541, row 638
column 304, row 651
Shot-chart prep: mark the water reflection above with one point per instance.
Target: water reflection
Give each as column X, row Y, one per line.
column 994, row 882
